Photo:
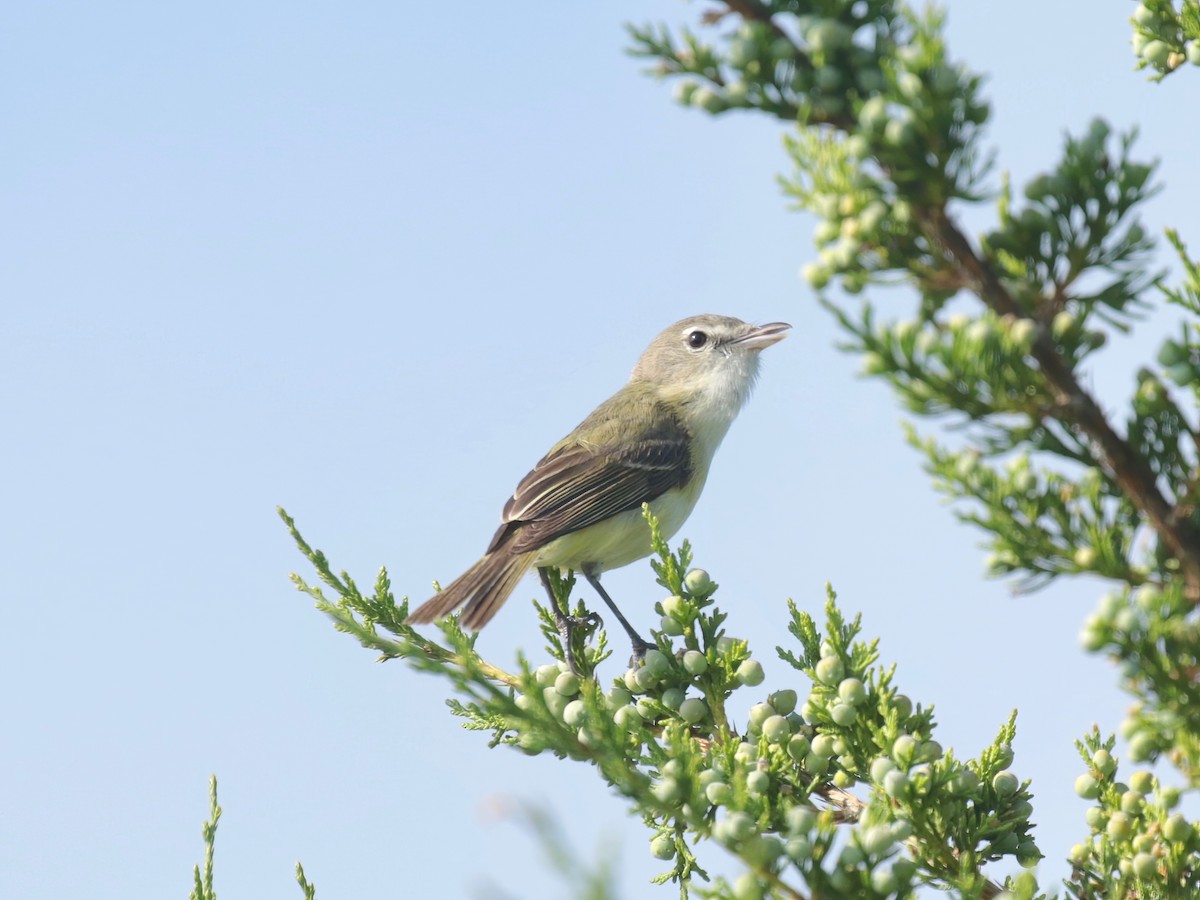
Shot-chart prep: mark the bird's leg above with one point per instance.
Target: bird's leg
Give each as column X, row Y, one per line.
column 640, row 644
column 566, row 623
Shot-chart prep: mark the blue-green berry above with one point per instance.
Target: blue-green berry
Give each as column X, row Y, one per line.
column 647, row 708
column 693, row 710
column 884, row 882
column 798, row 849
column 1104, row 762
column 673, row 607
column 750, row 673
column 823, row 745
column 1087, row 787
column 783, row 702
column 618, row 695
column 880, row 767
column 656, row 661
column 776, row 729
column 829, row 670
column 852, row 691
column 798, row 747
column 672, row 698
column 877, row 840
column 697, row 582
column 758, row 782
column 567, row 684
column 668, row 791
column 843, row 714
column 800, row 820
column 627, row 718
column 1177, row 829
column 718, row 793
column 1142, row 746
column 555, row 702
column 1157, row 53
column 1131, row 802
column 1141, row 781
column 663, row 847
column 747, row 887
column 645, row 678
column 740, row 825
column 904, row 749
column 965, row 782
column 895, row 784
column 1005, row 784
column 575, row 713
column 1119, row 826
column 1145, row 865
column 816, row 765
column 758, row 714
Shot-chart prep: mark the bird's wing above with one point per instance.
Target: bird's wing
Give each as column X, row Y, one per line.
column 577, row 485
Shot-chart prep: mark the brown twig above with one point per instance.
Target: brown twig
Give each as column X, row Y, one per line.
column 1079, row 408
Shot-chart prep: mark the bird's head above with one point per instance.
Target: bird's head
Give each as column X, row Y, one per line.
column 707, row 365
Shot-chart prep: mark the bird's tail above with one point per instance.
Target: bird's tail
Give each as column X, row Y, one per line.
column 483, row 588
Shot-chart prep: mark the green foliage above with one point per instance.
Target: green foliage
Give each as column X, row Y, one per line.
column 1137, row 845
column 836, row 786
column 840, row 789
column 309, row 889
column 1077, row 223
column 889, row 147
column 202, row 881
column 1187, row 295
column 1166, row 34
column 1150, row 631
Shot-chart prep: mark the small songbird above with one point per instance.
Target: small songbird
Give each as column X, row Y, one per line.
column 651, row 442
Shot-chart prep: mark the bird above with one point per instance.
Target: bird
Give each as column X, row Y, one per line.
column 652, row 442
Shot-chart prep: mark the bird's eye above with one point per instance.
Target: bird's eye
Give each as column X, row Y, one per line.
column 697, row 339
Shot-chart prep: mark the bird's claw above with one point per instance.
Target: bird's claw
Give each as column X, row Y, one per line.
column 640, row 646
column 566, row 629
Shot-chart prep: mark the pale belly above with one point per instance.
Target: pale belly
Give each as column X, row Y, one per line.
column 621, row 539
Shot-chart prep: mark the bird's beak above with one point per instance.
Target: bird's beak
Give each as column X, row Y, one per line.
column 761, row 336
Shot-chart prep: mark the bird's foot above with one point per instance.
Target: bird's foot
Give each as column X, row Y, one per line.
column 640, row 646
column 566, row 633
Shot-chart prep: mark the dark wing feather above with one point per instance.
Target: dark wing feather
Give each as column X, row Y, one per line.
column 578, row 484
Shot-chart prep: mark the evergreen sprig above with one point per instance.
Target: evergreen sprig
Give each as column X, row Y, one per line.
column 841, row 789
column 841, row 792
column 1166, row 34
column 202, row 879
column 889, row 149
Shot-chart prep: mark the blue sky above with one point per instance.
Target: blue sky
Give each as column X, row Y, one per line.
column 369, row 262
